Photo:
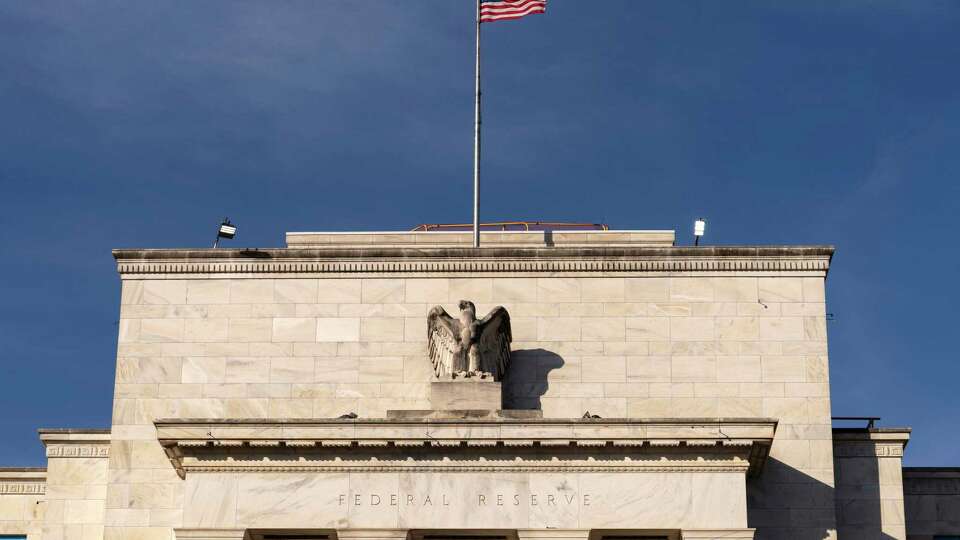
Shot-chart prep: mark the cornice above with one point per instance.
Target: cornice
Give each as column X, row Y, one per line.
column 447, row 445
column 884, row 442
column 76, row 443
column 804, row 260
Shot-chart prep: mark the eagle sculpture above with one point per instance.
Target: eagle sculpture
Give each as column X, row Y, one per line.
column 467, row 347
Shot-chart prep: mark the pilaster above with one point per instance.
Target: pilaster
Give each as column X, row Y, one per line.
column 372, row 534
column 553, row 534
column 717, row 534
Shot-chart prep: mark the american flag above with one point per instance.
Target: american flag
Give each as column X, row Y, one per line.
column 504, row 10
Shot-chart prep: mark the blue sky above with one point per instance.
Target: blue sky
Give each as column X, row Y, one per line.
column 141, row 124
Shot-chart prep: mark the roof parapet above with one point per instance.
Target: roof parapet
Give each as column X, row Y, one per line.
column 319, row 240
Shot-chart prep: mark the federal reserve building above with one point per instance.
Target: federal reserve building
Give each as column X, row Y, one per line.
column 549, row 385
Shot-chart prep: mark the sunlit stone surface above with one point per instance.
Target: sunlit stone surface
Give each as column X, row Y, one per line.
column 652, row 390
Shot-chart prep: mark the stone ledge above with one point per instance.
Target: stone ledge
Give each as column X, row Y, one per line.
column 339, row 423
column 404, row 253
column 76, row 433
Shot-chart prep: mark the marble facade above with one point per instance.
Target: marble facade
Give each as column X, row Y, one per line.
column 270, row 392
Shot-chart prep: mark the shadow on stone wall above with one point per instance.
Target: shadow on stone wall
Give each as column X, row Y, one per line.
column 859, row 497
column 931, row 498
column 784, row 502
column 526, row 380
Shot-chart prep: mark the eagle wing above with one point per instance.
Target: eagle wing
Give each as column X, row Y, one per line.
column 443, row 343
column 495, row 338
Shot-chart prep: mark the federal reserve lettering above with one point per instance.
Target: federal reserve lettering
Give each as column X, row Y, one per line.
column 478, row 499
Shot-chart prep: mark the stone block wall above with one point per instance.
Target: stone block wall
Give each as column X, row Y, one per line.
column 932, row 502
column 76, row 488
column 22, row 506
column 685, row 345
column 301, row 348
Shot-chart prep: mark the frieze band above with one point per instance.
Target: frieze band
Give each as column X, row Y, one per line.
column 78, row 451
column 22, row 488
column 869, row 450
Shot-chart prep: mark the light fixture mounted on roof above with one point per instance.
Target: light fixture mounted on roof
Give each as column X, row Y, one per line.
column 699, row 227
column 227, row 230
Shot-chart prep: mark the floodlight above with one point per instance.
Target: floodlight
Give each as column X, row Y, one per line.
column 699, row 227
column 227, row 230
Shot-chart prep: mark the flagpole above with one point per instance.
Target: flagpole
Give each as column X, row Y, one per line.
column 476, row 144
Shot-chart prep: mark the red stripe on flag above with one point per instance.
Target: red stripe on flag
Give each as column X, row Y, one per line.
column 510, row 17
column 491, row 18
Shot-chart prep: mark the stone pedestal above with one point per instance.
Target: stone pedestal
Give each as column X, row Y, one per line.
column 465, row 394
column 467, row 414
